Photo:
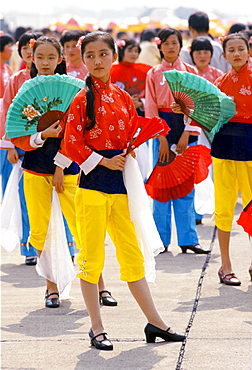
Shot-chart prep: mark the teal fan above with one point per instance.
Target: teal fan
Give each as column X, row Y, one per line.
column 200, row 100
column 39, row 103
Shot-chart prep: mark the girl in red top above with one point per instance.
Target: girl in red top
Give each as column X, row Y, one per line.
column 128, row 74
column 100, row 123
column 232, row 148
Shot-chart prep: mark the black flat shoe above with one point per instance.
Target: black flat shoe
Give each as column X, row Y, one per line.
column 51, row 302
column 31, row 261
column 108, row 300
column 151, row 332
column 194, row 248
column 104, row 344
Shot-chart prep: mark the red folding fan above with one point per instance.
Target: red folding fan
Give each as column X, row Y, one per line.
column 148, row 129
column 245, row 219
column 176, row 178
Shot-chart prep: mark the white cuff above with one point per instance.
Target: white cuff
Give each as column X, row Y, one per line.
column 92, row 161
column 143, row 101
column 36, row 141
column 194, row 129
column 6, row 144
column 62, row 161
column 187, row 120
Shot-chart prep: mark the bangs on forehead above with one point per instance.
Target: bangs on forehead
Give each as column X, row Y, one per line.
column 91, row 47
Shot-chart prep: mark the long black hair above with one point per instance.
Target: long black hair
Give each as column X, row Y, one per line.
column 92, row 37
column 61, row 68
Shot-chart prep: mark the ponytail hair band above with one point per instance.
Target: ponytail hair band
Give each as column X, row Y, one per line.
column 157, row 40
column 222, row 38
column 121, row 43
column 79, row 43
column 32, row 43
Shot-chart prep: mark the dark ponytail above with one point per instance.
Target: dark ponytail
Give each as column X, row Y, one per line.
column 90, row 102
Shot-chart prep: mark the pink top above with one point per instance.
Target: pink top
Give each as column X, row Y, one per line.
column 14, row 84
column 6, row 72
column 210, row 73
column 77, row 71
column 157, row 93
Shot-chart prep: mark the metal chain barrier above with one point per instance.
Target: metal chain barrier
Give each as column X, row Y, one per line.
column 196, row 301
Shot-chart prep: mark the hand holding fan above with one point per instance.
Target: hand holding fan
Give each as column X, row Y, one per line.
column 148, row 129
column 200, row 100
column 39, row 103
column 176, row 178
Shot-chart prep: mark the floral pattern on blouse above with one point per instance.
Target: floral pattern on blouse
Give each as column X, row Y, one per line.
column 116, row 122
column 238, row 85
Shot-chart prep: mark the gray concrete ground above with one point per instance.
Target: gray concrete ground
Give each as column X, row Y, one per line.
column 219, row 333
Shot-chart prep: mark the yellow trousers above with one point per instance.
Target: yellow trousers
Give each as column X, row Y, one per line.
column 230, row 177
column 38, row 195
column 96, row 213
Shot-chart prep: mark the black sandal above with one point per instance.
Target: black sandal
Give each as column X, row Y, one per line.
column 108, row 300
column 52, row 302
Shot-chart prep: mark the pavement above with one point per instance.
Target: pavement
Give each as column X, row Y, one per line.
column 216, row 318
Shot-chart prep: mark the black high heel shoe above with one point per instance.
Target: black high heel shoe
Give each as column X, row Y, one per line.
column 194, row 248
column 151, row 332
column 104, row 344
column 52, row 302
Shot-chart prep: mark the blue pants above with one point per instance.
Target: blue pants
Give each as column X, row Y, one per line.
column 5, row 169
column 184, row 214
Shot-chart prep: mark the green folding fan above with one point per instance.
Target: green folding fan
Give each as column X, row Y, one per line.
column 39, row 103
column 201, row 100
